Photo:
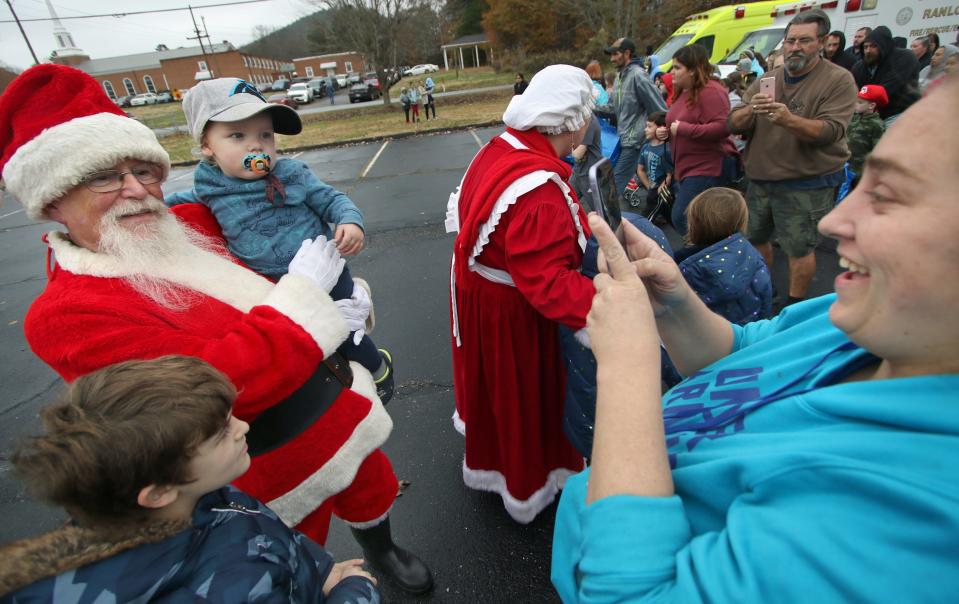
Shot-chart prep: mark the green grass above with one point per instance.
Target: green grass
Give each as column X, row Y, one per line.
column 371, row 122
column 448, row 81
column 160, row 115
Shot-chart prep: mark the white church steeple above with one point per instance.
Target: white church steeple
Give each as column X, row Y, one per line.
column 65, row 44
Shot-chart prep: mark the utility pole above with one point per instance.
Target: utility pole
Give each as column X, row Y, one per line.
column 23, row 33
column 198, row 38
column 206, row 34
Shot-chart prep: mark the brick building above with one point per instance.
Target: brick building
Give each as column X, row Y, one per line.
column 329, row 64
column 177, row 68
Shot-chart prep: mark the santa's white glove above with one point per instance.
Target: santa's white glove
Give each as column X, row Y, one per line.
column 582, row 336
column 355, row 310
column 318, row 261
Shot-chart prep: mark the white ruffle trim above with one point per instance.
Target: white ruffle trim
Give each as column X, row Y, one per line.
column 458, row 422
column 524, row 511
column 520, row 186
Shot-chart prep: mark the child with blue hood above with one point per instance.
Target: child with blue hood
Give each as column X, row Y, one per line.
column 721, row 266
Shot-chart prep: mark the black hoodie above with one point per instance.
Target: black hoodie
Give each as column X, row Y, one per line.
column 897, row 72
column 843, row 58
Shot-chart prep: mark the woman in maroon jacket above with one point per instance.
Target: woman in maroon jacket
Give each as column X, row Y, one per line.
column 703, row 155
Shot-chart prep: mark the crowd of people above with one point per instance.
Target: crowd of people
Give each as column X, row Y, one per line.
column 226, row 399
column 417, row 98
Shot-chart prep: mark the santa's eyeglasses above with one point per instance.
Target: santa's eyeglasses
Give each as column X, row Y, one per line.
column 107, row 181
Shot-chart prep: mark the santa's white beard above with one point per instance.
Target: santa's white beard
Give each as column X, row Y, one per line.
column 144, row 247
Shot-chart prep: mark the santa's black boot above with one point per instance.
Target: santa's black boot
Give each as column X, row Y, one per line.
column 400, row 565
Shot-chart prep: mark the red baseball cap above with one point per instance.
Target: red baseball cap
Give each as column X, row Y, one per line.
column 874, row 93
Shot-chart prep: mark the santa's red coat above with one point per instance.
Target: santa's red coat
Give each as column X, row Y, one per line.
column 267, row 338
column 509, row 377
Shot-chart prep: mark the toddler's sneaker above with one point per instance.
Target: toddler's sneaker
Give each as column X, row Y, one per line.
column 384, row 382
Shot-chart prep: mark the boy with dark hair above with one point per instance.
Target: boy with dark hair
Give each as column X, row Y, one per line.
column 654, row 172
column 140, row 455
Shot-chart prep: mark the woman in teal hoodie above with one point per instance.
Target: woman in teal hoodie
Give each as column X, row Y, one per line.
column 808, row 458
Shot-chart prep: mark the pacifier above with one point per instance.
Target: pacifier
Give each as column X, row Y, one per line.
column 258, row 163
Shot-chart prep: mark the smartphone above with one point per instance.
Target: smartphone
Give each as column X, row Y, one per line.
column 767, row 86
column 604, row 193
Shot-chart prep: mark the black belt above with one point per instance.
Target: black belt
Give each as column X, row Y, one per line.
column 286, row 420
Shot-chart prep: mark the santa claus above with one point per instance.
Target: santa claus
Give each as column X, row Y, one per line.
column 131, row 280
column 515, row 278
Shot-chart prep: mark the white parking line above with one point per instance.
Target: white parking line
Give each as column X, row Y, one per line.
column 373, row 161
column 476, row 138
column 184, row 175
column 11, row 213
column 295, row 155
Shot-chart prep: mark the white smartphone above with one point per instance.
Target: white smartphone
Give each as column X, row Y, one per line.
column 767, row 86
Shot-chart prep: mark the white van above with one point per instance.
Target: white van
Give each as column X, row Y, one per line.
column 903, row 17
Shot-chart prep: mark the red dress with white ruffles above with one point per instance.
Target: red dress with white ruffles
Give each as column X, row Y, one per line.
column 515, row 277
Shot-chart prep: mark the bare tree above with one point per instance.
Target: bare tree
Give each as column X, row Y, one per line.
column 371, row 27
column 262, row 31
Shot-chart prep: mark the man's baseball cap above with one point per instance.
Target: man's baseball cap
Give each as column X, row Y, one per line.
column 621, row 45
column 874, row 93
column 232, row 100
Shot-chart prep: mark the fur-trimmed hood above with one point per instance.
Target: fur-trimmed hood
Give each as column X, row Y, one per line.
column 70, row 547
column 234, row 549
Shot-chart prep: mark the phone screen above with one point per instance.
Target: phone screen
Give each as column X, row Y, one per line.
column 604, row 193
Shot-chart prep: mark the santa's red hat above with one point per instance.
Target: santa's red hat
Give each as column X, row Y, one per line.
column 56, row 127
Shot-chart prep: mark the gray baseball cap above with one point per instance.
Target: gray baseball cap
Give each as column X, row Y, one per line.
column 232, row 100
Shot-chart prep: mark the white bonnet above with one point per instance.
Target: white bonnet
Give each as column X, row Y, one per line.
column 560, row 98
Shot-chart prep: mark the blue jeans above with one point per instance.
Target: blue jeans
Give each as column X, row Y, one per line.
column 691, row 186
column 625, row 167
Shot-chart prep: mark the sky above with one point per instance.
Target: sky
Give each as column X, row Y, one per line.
column 115, row 36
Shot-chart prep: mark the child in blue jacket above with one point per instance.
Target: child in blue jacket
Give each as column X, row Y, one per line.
column 579, row 407
column 140, row 454
column 267, row 207
column 721, row 266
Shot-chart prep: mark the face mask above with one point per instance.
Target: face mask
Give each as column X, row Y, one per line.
column 258, row 163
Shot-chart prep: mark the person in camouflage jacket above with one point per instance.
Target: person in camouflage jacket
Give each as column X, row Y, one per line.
column 866, row 127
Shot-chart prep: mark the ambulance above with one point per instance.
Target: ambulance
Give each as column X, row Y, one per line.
column 719, row 30
column 909, row 19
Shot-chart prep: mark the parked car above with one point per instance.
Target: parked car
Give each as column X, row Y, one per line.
column 123, row 101
column 145, row 98
column 421, row 69
column 341, row 80
column 371, row 79
column 354, row 78
column 165, row 97
column 318, row 86
column 364, row 92
column 282, row 99
column 301, row 92
column 281, row 84
column 264, row 86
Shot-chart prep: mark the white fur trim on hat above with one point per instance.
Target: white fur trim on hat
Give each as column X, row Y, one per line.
column 560, row 98
column 54, row 162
